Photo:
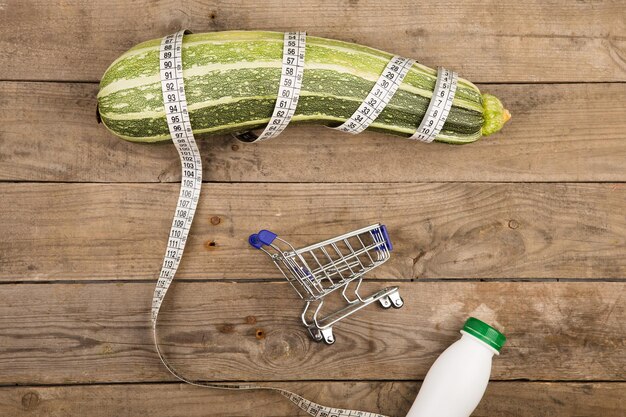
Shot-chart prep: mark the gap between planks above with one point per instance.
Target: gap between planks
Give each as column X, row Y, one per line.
column 278, row 280
column 439, row 230
column 569, row 331
column 559, row 133
column 517, row 399
column 533, row 40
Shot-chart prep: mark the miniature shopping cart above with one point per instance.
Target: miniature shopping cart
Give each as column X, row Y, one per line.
column 320, row 269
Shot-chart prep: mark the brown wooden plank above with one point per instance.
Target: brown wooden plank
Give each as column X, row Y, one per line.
column 505, row 399
column 486, row 41
column 87, row 333
column 566, row 132
column 441, row 230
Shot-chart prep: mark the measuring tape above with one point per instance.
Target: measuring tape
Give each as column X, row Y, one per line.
column 379, row 96
column 377, row 99
column 177, row 115
column 292, row 71
column 439, row 106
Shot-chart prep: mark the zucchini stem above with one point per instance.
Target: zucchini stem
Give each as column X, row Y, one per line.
column 494, row 113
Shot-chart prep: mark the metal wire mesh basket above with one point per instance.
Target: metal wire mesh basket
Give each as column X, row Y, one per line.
column 318, row 270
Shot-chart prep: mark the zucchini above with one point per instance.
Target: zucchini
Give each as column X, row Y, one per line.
column 231, row 81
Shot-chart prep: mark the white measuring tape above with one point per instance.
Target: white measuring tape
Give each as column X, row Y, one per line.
column 292, row 71
column 384, row 89
column 379, row 96
column 177, row 115
column 439, row 106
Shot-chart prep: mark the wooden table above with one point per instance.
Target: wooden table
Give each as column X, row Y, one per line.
column 525, row 229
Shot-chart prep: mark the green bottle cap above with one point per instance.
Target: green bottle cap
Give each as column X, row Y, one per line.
column 484, row 332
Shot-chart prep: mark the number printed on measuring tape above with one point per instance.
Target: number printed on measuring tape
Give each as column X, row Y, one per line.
column 177, row 116
column 439, row 106
column 291, row 76
column 318, row 410
column 379, row 96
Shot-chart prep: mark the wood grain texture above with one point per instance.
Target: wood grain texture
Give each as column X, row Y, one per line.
column 439, row 230
column 89, row 333
column 558, row 133
column 504, row 399
column 485, row 40
column 543, row 199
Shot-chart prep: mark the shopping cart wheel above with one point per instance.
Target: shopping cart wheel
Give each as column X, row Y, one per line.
column 396, row 300
column 385, row 302
column 315, row 334
column 398, row 303
column 327, row 334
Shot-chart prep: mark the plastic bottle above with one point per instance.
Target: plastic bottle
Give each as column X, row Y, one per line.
column 456, row 382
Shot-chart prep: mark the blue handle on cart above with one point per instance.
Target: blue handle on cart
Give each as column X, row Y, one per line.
column 264, row 237
column 385, row 235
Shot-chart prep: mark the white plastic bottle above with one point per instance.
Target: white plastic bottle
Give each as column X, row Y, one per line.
column 458, row 379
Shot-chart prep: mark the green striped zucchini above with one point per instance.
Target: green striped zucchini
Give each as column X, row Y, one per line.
column 231, row 81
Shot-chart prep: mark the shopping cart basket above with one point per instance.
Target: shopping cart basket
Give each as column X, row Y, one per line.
column 317, row 270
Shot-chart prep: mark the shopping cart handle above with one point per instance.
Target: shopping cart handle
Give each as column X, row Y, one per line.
column 384, row 235
column 264, row 237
